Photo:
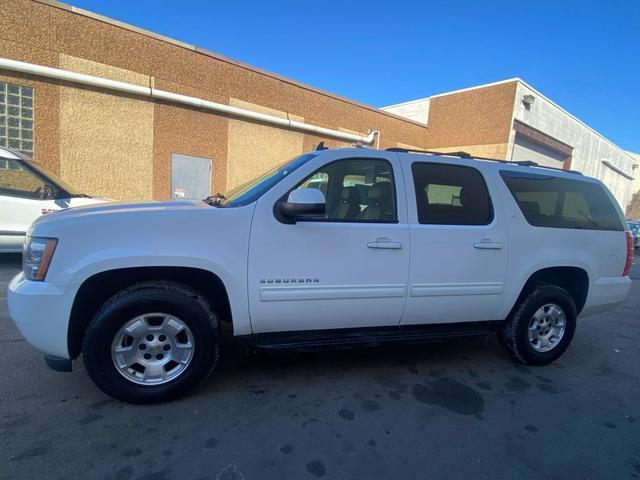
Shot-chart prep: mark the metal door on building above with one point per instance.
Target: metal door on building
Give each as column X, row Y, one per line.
column 190, row 177
column 525, row 149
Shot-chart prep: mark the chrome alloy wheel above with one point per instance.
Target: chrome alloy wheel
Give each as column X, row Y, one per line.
column 546, row 327
column 152, row 349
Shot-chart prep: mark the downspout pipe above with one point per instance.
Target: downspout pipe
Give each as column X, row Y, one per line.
column 132, row 89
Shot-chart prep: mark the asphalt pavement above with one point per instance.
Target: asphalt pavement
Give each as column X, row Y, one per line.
column 459, row 409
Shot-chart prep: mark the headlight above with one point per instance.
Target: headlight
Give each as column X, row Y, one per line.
column 36, row 257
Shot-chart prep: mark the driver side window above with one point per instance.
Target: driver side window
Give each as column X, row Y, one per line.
column 356, row 190
column 16, row 181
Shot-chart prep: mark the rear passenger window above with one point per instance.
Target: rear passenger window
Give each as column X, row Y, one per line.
column 556, row 202
column 450, row 195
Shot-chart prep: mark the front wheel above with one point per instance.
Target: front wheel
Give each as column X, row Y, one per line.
column 151, row 342
column 542, row 325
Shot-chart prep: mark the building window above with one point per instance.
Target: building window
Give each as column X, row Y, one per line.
column 16, row 117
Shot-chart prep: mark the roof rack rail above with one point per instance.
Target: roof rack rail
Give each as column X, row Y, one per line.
column 522, row 163
column 430, row 152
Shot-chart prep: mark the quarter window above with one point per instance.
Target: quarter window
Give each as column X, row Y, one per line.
column 450, row 195
column 16, row 117
column 356, row 190
column 557, row 202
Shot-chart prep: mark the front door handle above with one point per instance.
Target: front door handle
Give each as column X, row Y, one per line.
column 488, row 245
column 385, row 243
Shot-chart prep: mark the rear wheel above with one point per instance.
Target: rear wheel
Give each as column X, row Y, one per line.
column 542, row 325
column 151, row 343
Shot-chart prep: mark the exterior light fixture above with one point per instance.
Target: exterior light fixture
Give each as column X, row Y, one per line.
column 528, row 100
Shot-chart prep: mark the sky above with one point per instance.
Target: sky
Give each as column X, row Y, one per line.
column 584, row 55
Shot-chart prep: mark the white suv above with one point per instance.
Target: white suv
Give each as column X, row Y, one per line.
column 27, row 191
column 334, row 248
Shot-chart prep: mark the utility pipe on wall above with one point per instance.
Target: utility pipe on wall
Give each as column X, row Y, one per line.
column 130, row 88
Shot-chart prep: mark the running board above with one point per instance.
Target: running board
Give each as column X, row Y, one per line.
column 366, row 337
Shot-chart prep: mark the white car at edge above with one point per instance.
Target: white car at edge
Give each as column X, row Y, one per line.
column 335, row 248
column 27, row 191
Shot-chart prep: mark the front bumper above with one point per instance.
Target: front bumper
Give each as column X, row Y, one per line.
column 41, row 312
column 11, row 243
column 606, row 293
column 58, row 364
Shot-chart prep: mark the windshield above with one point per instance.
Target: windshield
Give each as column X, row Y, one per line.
column 254, row 189
column 52, row 178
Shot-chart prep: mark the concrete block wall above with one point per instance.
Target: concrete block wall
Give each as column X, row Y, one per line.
column 417, row 110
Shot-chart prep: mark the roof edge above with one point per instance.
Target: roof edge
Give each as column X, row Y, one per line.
column 591, row 129
column 537, row 92
column 477, row 87
column 408, row 102
column 453, row 92
column 217, row 56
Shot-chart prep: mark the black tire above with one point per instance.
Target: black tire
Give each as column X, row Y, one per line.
column 500, row 337
column 171, row 298
column 516, row 328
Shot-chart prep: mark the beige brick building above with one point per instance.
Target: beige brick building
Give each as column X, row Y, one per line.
column 511, row 120
column 126, row 146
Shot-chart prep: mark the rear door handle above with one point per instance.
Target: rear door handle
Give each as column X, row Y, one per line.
column 485, row 245
column 385, row 243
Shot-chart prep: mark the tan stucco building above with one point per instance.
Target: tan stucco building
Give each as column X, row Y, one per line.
column 121, row 146
column 126, row 146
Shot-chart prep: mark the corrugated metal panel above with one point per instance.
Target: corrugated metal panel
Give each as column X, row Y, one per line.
column 524, row 149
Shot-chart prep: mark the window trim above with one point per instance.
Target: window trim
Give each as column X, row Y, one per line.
column 492, row 211
column 283, row 198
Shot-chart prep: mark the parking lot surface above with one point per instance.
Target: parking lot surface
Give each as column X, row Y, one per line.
column 459, row 409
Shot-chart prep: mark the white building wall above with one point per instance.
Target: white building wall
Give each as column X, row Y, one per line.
column 416, row 110
column 635, row 185
column 590, row 149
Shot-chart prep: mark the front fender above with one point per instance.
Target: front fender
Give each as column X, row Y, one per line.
column 205, row 238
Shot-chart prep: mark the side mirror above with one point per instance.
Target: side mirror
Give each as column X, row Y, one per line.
column 48, row 192
column 303, row 202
